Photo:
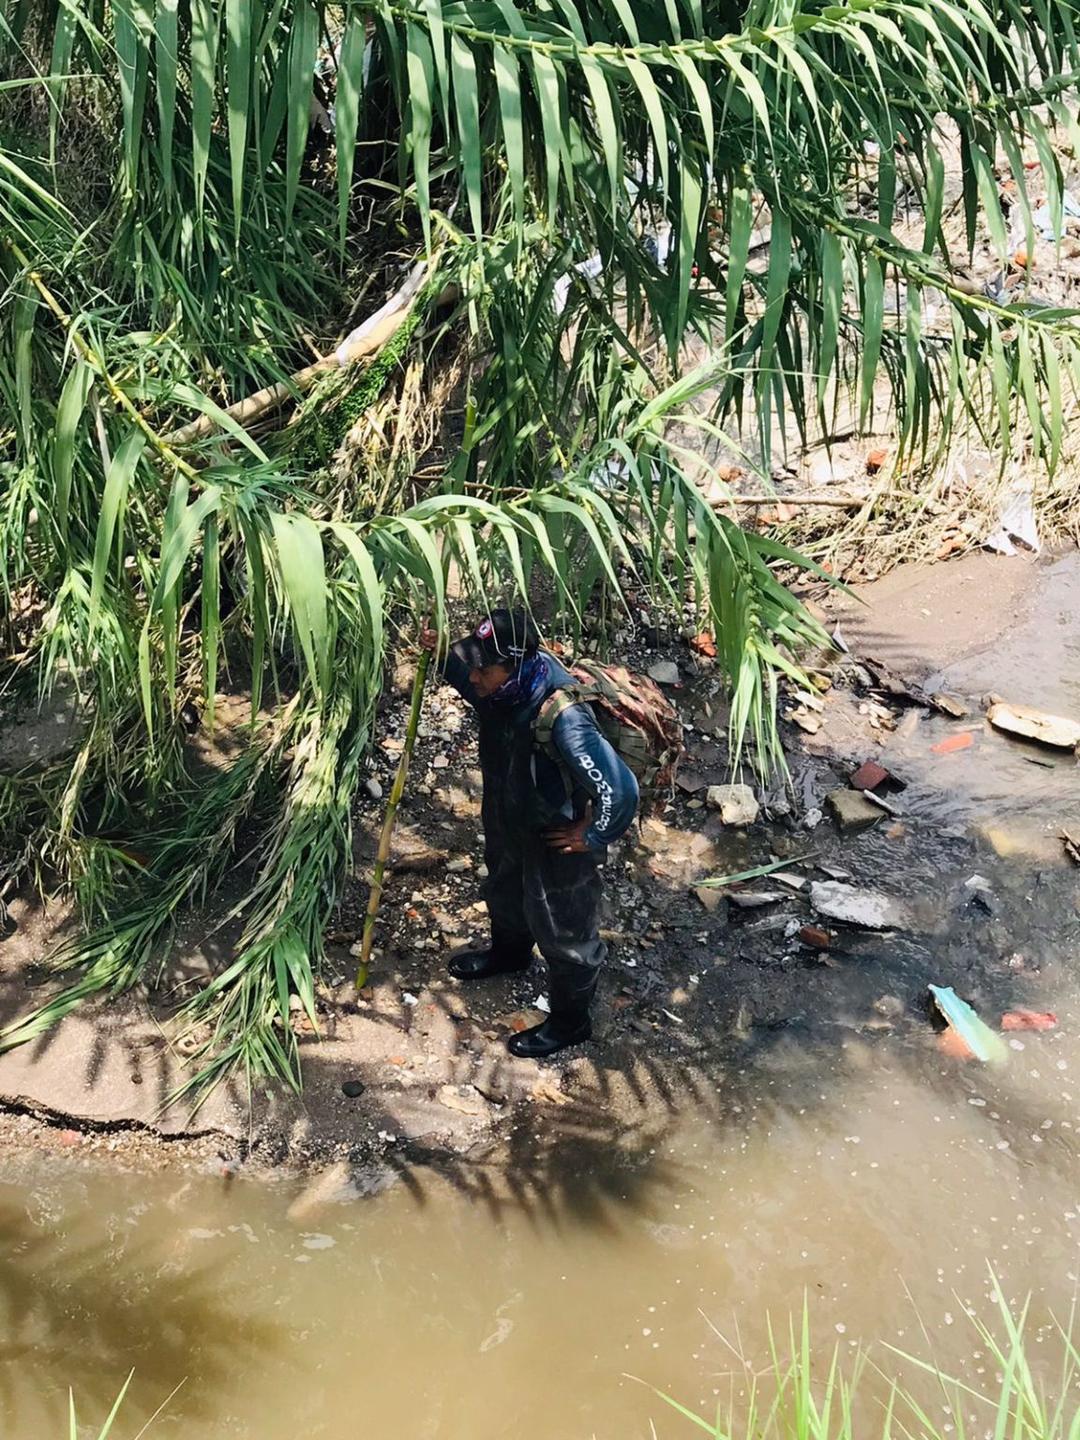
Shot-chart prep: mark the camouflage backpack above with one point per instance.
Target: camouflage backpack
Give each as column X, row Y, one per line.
column 633, row 715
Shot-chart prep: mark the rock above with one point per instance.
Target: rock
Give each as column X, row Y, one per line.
column 664, row 672
column 459, row 864
column 866, row 908
column 949, row 705
column 791, row 881
column 440, row 762
column 373, row 788
column 690, row 782
column 851, row 810
column 805, row 720
column 812, row 819
column 466, row 1099
column 353, row 1088
column 891, row 1006
column 753, row 899
column 736, row 803
column 834, row 872
column 1029, row 724
column 457, row 801
column 710, row 896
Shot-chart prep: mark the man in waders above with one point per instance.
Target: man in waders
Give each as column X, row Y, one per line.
column 547, row 822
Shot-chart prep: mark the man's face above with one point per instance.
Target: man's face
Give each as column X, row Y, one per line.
column 487, row 679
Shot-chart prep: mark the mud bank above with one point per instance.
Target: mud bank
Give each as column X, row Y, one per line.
column 701, row 996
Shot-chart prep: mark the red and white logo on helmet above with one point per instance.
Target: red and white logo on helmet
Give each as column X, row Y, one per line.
column 485, row 630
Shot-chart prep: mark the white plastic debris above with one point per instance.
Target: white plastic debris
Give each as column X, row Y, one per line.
column 1043, row 220
column 1016, row 522
column 587, row 269
column 543, row 1004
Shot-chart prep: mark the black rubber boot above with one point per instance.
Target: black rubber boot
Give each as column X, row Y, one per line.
column 569, row 1022
column 501, row 957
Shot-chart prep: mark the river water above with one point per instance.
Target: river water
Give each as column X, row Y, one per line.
column 874, row 1177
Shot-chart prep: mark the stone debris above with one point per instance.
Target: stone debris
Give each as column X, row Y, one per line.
column 851, row 810
column 737, row 803
column 1021, row 720
column 949, row 705
column 867, row 909
column 710, row 896
column 664, row 672
column 791, row 881
column 890, row 1006
column 754, row 899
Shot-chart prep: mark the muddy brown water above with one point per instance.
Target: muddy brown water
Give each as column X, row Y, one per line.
column 841, row 1158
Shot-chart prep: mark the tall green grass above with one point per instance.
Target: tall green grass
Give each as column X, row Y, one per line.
column 802, row 1392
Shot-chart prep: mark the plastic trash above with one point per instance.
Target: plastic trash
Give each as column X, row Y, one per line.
column 1029, row 1020
column 983, row 1043
column 963, row 741
column 1016, row 523
column 1043, row 220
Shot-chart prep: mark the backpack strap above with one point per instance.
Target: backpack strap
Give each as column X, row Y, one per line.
column 556, row 704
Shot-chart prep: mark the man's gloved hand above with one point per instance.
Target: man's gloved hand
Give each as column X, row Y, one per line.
column 569, row 839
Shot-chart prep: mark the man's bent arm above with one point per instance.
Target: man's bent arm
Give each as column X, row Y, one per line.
column 596, row 769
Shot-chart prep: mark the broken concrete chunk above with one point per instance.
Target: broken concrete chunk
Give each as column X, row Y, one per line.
column 710, row 896
column 690, row 782
column 664, row 672
column 946, row 704
column 791, row 881
column 752, row 899
column 852, row 810
column 737, row 803
column 806, row 721
column 1029, row 724
column 868, row 909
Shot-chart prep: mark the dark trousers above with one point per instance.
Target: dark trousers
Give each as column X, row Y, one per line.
column 535, row 894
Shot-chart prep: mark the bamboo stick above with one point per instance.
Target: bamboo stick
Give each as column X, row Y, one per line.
column 97, row 363
column 396, row 792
